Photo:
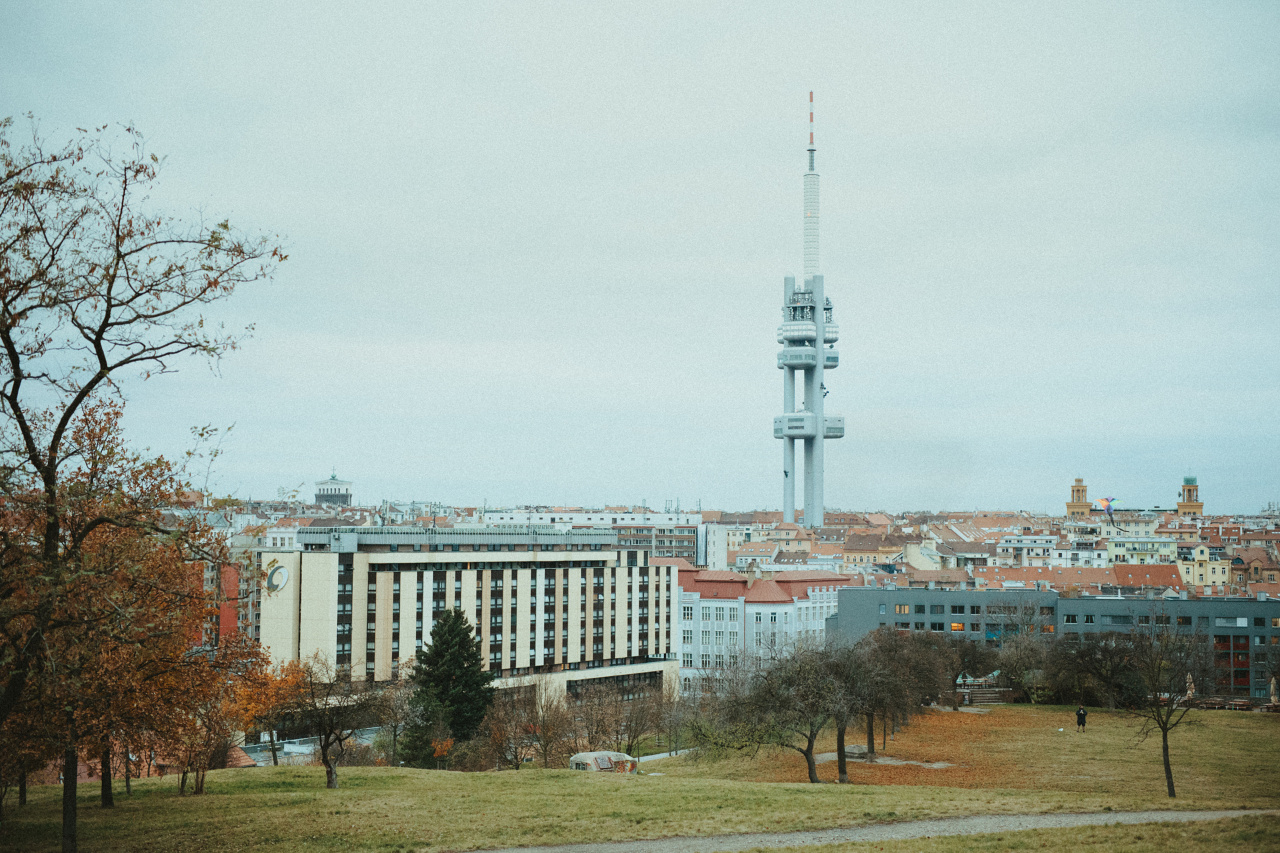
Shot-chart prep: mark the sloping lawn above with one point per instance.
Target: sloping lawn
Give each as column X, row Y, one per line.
column 1010, row 761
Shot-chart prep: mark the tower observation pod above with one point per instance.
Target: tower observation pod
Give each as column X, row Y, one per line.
column 808, row 335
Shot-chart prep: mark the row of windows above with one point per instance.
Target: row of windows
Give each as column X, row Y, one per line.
column 959, row 609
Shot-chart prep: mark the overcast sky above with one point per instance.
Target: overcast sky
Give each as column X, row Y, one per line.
column 536, row 250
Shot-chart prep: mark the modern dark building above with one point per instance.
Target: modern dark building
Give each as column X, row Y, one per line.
column 1239, row 628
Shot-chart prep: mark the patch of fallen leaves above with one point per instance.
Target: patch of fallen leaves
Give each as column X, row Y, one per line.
column 958, row 739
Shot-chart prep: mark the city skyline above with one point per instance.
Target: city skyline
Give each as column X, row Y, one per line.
column 1051, row 232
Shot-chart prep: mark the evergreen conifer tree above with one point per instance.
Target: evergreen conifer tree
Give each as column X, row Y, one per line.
column 450, row 683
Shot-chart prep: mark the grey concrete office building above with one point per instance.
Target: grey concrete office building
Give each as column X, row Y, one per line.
column 1239, row 628
column 808, row 335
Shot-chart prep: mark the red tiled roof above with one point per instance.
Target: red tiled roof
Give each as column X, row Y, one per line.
column 767, row 592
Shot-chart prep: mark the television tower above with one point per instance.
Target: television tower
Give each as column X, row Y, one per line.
column 808, row 335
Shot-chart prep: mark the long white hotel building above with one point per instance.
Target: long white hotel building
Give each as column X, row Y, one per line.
column 571, row 604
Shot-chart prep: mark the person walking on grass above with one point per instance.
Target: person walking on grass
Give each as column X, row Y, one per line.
column 1081, row 713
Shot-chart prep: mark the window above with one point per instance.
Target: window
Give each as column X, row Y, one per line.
column 706, row 638
column 687, row 637
column 974, row 626
column 882, row 609
column 902, row 608
column 719, row 638
column 1185, row 621
column 919, row 608
column 957, row 626
column 759, row 617
column 686, row 613
column 936, row 626
column 936, row 608
column 1070, row 619
column 719, row 614
column 706, row 660
column 975, row 608
column 706, row 614
column 1230, row 622
column 733, row 638
column 688, row 659
column 920, row 625
column 957, row 609
column 1088, row 619
column 733, row 614
column 1144, row 620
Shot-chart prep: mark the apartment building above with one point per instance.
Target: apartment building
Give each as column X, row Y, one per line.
column 725, row 615
column 571, row 605
column 1141, row 549
column 1025, row 550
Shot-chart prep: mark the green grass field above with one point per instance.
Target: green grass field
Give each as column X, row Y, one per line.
column 1020, row 763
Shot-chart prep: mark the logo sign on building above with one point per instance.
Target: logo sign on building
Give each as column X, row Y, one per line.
column 277, row 578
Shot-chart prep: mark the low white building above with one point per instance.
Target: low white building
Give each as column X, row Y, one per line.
column 725, row 616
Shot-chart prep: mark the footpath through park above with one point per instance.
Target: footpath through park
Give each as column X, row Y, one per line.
column 885, row 832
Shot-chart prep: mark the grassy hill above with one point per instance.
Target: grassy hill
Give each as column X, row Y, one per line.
column 1013, row 760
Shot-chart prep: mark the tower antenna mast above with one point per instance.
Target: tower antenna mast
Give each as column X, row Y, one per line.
column 808, row 335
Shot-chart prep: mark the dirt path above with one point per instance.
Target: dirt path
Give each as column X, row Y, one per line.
column 883, row 832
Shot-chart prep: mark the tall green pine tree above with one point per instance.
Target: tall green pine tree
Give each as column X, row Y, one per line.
column 450, row 681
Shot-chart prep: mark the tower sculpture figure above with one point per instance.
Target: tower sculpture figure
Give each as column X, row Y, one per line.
column 808, row 335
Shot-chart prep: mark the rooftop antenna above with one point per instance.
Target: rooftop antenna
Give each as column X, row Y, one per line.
column 811, row 206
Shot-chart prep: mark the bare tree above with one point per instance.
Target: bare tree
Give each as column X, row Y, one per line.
column 596, row 710
column 1025, row 637
column 902, row 672
column 959, row 655
column 332, row 707
column 1165, row 662
column 790, row 702
column 675, row 710
column 507, row 727
column 396, row 711
column 552, row 730
column 850, row 697
column 640, row 715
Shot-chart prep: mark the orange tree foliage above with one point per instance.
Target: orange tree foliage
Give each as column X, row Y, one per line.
column 97, row 585
column 268, row 698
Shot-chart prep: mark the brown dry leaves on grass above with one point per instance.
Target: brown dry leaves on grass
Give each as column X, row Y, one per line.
column 1019, row 747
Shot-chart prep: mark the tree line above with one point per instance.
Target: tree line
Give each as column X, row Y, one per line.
column 788, row 698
